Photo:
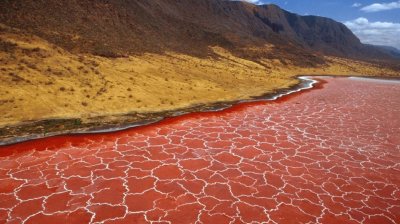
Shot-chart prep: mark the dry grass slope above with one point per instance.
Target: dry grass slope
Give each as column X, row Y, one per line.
column 39, row 80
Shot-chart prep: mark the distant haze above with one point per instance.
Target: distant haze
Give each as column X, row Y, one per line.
column 379, row 33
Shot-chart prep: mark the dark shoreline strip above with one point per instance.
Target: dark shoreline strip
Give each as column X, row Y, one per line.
column 306, row 83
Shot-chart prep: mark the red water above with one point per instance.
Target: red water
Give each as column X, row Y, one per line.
column 330, row 155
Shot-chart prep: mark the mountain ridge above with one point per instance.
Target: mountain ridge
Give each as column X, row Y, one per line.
column 120, row 27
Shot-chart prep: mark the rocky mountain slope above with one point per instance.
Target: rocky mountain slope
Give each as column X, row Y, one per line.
column 116, row 28
column 394, row 52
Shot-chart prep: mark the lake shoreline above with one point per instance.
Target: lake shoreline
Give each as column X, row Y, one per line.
column 32, row 130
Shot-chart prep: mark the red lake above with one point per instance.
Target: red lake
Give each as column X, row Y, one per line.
column 326, row 155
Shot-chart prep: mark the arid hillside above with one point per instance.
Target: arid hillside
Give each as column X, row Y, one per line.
column 68, row 65
column 120, row 28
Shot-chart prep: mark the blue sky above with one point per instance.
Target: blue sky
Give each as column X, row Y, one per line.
column 373, row 21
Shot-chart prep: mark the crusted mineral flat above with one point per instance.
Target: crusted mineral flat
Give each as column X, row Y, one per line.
column 329, row 155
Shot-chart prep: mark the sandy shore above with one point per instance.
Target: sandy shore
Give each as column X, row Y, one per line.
column 54, row 127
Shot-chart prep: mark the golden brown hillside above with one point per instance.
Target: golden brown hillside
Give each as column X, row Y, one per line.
column 40, row 81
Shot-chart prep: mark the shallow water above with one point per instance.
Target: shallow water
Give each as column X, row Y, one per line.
column 331, row 154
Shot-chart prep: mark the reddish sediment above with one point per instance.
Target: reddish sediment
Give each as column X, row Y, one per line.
column 329, row 155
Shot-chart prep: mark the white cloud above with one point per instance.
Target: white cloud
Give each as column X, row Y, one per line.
column 378, row 33
column 356, row 5
column 376, row 7
column 250, row 1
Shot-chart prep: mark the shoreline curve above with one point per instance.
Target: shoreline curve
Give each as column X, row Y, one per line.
column 306, row 83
